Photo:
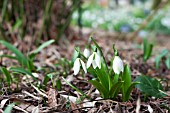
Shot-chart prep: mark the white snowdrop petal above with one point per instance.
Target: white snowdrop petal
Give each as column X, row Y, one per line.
column 86, row 53
column 76, row 70
column 76, row 66
column 121, row 67
column 94, row 64
column 76, row 63
column 116, row 69
column 90, row 60
column 84, row 66
column 98, row 60
column 117, row 65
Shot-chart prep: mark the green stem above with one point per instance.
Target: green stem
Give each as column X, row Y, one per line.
column 101, row 53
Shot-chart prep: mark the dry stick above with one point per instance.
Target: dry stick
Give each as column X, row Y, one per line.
column 31, row 95
column 145, row 22
column 98, row 100
column 69, row 111
column 20, row 109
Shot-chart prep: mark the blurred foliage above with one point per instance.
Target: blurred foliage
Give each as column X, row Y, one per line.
column 125, row 19
column 36, row 18
column 156, row 3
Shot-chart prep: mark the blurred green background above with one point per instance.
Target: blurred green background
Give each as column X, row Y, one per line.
column 50, row 19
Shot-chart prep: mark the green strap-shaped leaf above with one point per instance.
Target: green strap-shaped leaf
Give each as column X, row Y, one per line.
column 58, row 84
column 42, row 46
column 159, row 57
column 7, row 74
column 104, row 92
column 167, row 62
column 126, row 77
column 145, row 46
column 115, row 89
column 9, row 56
column 92, row 71
column 116, row 78
column 149, row 52
column 147, row 49
column 46, row 79
column 20, row 57
column 103, row 77
column 129, row 90
column 23, row 71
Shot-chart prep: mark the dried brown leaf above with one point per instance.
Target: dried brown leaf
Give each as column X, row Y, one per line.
column 73, row 107
column 52, row 101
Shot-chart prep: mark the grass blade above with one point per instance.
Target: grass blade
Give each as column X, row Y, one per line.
column 20, row 57
column 7, row 74
column 81, row 92
column 46, row 79
column 22, row 70
column 42, row 46
column 167, row 62
column 9, row 56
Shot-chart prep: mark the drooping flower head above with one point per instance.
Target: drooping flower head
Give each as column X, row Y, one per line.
column 117, row 65
column 77, row 64
column 95, row 60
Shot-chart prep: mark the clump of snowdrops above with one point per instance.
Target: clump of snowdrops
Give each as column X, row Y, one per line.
column 109, row 80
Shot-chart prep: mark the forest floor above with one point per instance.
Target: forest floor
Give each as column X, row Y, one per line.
column 29, row 98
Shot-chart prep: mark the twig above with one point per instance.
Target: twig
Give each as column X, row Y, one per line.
column 69, row 111
column 20, row 109
column 41, row 93
column 31, row 95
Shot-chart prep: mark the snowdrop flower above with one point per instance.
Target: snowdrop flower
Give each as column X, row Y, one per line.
column 86, row 52
column 78, row 62
column 95, row 60
column 117, row 65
